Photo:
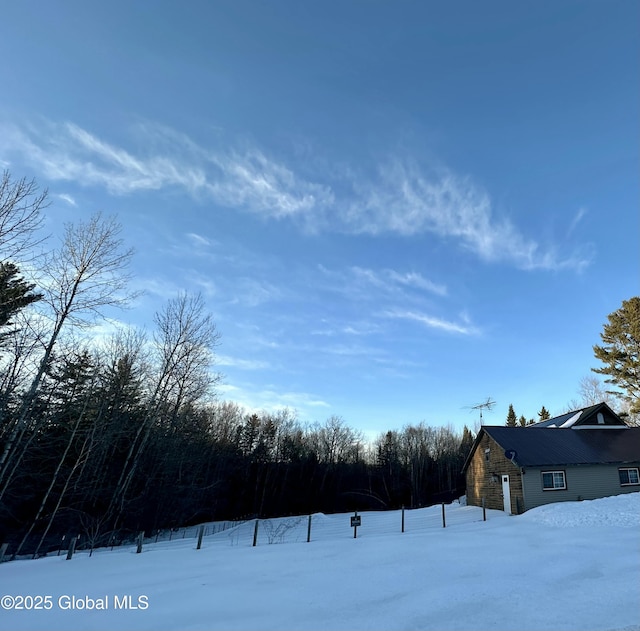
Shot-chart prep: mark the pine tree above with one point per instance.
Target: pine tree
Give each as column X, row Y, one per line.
column 620, row 352
column 511, row 417
column 543, row 414
column 15, row 294
column 466, row 442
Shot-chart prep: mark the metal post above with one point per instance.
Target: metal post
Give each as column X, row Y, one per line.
column 403, row 519
column 200, row 534
column 355, row 528
column 444, row 523
column 255, row 534
column 140, row 538
column 309, row 530
column 72, row 547
column 484, row 511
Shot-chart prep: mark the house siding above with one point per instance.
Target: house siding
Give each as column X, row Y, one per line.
column 479, row 478
column 584, row 482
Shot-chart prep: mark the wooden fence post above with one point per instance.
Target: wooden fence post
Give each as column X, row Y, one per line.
column 403, row 519
column 309, row 530
column 255, row 534
column 444, row 523
column 140, row 538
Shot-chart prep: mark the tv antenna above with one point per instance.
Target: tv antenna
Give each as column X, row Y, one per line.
column 486, row 405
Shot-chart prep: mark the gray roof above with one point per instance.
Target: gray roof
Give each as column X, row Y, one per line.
column 556, row 446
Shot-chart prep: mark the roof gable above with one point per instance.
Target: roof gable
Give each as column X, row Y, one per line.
column 593, row 416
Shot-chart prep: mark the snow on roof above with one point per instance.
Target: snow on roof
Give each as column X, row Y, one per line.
column 571, row 421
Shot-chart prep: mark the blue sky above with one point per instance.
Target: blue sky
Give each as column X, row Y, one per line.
column 394, row 210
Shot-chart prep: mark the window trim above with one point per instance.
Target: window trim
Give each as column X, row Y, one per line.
column 554, row 488
column 629, row 469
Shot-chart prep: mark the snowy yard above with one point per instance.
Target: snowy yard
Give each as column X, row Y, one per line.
column 564, row 566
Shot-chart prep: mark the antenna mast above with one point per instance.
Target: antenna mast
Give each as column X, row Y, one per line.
column 487, row 405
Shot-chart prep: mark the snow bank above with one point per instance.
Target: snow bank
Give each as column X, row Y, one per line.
column 618, row 510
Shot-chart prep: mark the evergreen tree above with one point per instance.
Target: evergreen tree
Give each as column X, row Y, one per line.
column 522, row 421
column 620, row 352
column 15, row 294
column 543, row 414
column 467, row 442
column 511, row 417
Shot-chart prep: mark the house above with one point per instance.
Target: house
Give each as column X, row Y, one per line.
column 581, row 455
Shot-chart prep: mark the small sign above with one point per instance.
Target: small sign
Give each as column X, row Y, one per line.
column 510, row 454
column 356, row 521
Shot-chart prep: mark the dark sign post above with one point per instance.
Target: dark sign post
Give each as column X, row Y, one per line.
column 356, row 521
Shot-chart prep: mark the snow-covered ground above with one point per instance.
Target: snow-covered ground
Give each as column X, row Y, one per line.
column 563, row 566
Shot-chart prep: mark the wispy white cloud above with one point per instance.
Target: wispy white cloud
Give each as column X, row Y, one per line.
column 159, row 287
column 203, row 283
column 406, row 200
column 67, row 198
column 461, row 328
column 403, row 198
column 358, row 329
column 416, row 281
column 361, row 329
column 576, row 220
column 244, row 364
column 251, row 292
column 270, row 399
column 356, row 279
column 198, row 240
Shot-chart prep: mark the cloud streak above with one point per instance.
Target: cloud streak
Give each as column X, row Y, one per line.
column 431, row 322
column 401, row 199
column 360, row 279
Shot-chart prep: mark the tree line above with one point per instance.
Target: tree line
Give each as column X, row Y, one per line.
column 106, row 439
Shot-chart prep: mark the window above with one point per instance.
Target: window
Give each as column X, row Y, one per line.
column 486, row 454
column 553, row 481
column 629, row 476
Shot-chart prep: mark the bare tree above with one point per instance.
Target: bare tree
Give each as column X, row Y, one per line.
column 20, row 204
column 417, row 448
column 334, row 441
column 184, row 341
column 592, row 391
column 87, row 274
